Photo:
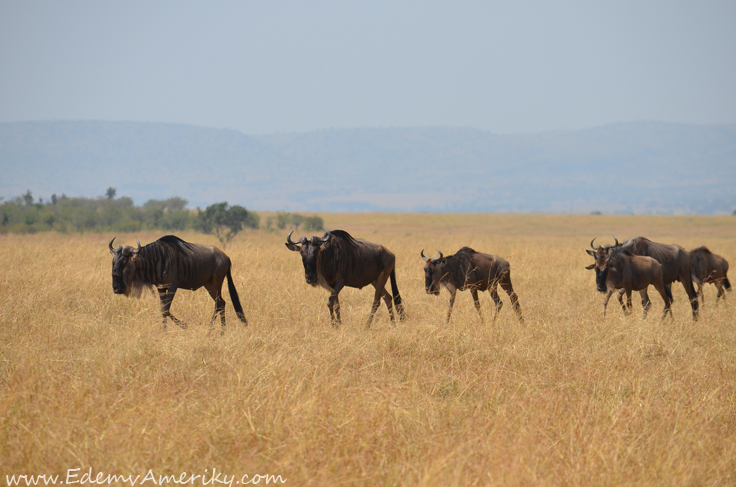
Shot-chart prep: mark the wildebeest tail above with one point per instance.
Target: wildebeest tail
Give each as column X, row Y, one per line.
column 397, row 297
column 727, row 283
column 668, row 291
column 234, row 298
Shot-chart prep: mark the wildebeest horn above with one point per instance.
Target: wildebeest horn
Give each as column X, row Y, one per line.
column 139, row 244
column 326, row 237
column 614, row 237
column 298, row 242
column 591, row 243
column 112, row 251
column 426, row 259
column 441, row 256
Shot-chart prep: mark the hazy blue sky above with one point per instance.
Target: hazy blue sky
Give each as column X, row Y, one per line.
column 275, row 66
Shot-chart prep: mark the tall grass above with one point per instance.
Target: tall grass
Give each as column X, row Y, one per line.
column 90, row 379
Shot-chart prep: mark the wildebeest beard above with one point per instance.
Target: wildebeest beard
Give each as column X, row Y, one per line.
column 132, row 287
column 600, row 279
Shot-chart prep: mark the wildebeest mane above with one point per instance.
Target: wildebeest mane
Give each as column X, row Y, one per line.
column 699, row 262
column 164, row 256
column 619, row 252
column 175, row 243
column 341, row 255
column 459, row 265
column 703, row 249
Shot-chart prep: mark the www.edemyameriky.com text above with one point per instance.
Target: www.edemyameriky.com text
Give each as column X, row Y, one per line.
column 74, row 476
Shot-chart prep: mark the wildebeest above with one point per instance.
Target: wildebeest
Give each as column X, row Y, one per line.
column 337, row 260
column 624, row 270
column 707, row 267
column 674, row 259
column 468, row 269
column 169, row 264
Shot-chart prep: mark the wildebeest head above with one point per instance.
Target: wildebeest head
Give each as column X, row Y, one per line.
column 123, row 271
column 602, row 264
column 309, row 250
column 434, row 270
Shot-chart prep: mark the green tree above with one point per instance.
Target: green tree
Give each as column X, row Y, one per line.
column 282, row 219
column 110, row 193
column 28, row 198
column 314, row 223
column 224, row 222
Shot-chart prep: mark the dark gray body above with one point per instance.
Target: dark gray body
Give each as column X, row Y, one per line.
column 707, row 267
column 337, row 260
column 468, row 269
column 170, row 264
column 624, row 270
column 675, row 263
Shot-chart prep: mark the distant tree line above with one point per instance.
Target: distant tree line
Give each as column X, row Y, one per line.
column 25, row 214
column 296, row 220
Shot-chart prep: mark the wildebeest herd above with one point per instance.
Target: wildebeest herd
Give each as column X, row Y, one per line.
column 337, row 260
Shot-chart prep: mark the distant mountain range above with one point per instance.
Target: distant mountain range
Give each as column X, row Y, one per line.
column 639, row 167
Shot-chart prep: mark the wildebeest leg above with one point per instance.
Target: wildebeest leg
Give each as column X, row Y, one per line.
column 506, row 286
column 453, row 293
column 219, row 306
column 662, row 289
column 334, row 303
column 474, row 292
column 687, row 283
column 162, row 297
column 699, row 294
column 166, row 294
column 721, row 291
column 389, row 305
column 645, row 302
column 621, row 300
column 380, row 285
column 493, row 291
column 605, row 301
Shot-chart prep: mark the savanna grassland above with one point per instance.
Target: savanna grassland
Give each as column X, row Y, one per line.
column 89, row 379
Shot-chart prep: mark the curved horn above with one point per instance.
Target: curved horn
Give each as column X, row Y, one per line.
column 426, row 259
column 298, row 242
column 591, row 244
column 112, row 251
column 288, row 238
column 614, row 237
column 139, row 244
column 441, row 256
column 327, row 236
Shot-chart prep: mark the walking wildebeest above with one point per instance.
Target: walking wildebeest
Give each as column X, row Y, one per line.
column 674, row 259
column 707, row 267
column 468, row 269
column 169, row 264
column 624, row 270
column 337, row 260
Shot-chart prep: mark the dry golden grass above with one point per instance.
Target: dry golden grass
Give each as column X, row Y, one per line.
column 89, row 379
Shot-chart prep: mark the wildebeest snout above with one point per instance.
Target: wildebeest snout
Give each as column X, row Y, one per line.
column 118, row 286
column 600, row 280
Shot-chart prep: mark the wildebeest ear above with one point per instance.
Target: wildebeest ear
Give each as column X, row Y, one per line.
column 591, row 266
column 590, row 252
column 291, row 246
